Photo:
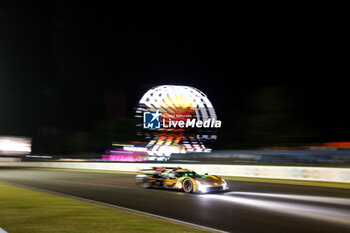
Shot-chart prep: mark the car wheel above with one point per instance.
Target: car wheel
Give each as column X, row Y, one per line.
column 145, row 183
column 187, row 186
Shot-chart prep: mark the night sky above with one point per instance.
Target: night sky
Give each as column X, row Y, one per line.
column 59, row 58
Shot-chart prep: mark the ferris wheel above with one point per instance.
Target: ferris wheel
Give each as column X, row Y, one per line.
column 176, row 103
column 174, row 100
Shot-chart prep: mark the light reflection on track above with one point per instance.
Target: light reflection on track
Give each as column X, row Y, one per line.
column 327, row 200
column 303, row 210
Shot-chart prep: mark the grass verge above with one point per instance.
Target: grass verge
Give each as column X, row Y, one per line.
column 26, row 210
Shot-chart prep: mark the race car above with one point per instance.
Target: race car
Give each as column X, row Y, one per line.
column 182, row 179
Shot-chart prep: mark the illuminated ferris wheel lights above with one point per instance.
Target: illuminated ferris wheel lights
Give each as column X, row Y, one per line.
column 183, row 110
column 173, row 99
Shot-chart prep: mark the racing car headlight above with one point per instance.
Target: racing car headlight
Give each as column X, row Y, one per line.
column 201, row 187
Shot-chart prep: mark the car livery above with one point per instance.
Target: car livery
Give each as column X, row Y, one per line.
column 182, row 179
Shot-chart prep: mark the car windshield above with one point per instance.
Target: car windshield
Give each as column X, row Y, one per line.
column 189, row 174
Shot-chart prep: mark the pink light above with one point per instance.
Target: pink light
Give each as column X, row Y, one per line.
column 125, row 158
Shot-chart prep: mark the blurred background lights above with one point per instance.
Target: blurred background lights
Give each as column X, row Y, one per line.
column 14, row 145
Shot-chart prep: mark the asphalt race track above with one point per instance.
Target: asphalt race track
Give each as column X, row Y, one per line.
column 246, row 207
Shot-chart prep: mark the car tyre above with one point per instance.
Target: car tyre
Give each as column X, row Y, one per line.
column 145, row 183
column 187, row 186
